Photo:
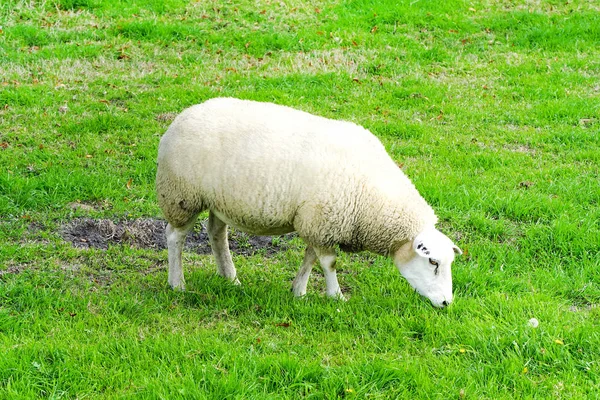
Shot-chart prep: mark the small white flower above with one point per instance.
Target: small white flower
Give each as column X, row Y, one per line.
column 534, row 322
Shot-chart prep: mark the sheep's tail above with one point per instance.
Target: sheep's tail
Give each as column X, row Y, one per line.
column 178, row 203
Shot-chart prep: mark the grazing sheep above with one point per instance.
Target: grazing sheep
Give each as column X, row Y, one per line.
column 268, row 170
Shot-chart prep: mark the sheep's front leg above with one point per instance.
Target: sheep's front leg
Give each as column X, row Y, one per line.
column 327, row 261
column 301, row 280
column 217, row 234
column 175, row 241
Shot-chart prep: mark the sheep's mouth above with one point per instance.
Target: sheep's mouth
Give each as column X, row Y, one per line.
column 150, row 233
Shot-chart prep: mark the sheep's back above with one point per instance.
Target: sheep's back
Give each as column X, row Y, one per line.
column 258, row 163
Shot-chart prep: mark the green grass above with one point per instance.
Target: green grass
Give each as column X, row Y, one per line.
column 491, row 107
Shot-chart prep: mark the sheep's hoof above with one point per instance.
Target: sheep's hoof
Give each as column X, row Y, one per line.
column 298, row 295
column 337, row 296
column 236, row 282
column 178, row 287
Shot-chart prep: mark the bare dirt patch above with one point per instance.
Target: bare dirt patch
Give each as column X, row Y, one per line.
column 13, row 269
column 166, row 117
column 150, row 233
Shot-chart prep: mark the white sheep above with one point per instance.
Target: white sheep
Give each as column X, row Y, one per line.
column 268, row 170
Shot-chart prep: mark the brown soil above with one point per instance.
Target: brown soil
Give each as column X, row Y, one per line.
column 150, row 233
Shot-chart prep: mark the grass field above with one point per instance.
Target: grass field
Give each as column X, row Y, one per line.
column 492, row 108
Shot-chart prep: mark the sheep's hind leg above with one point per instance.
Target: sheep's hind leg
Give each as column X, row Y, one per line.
column 301, row 280
column 217, row 234
column 327, row 261
column 175, row 241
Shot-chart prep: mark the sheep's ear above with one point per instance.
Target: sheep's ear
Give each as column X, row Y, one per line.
column 419, row 246
column 430, row 241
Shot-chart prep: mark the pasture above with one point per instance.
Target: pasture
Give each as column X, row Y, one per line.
column 491, row 107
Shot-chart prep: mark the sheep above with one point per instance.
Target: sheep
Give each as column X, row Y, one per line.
column 268, row 169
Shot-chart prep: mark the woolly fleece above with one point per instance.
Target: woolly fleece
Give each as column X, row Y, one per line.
column 268, row 169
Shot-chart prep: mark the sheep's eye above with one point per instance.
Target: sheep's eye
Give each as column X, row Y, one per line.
column 436, row 264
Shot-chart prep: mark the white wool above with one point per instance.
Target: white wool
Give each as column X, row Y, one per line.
column 268, row 169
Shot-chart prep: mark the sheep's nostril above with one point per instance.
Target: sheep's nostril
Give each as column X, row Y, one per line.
column 444, row 303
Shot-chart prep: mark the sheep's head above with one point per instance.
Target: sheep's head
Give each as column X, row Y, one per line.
column 426, row 264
